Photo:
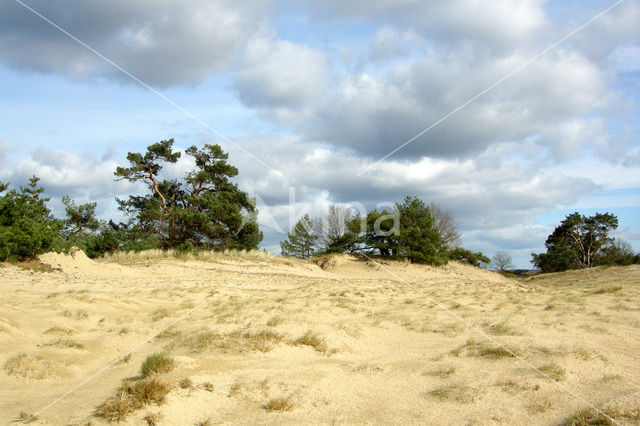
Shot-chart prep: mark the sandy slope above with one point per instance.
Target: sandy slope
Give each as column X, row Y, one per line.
column 392, row 354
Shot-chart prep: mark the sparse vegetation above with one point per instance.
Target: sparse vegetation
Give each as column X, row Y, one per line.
column 460, row 392
column 61, row 331
column 282, row 403
column 441, row 372
column 237, row 341
column 25, row 417
column 65, row 343
column 312, row 339
column 28, row 366
column 157, row 363
column 554, row 371
column 132, row 396
column 482, row 349
column 185, row 383
column 153, row 419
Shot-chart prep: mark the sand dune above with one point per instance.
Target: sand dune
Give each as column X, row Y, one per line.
column 332, row 340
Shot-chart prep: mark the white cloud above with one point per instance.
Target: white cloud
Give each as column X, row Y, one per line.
column 163, row 42
column 277, row 74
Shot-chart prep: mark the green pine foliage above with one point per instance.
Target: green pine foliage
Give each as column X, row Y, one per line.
column 301, row 241
column 418, row 239
column 582, row 242
column 470, row 257
column 204, row 210
column 379, row 234
column 27, row 227
column 408, row 232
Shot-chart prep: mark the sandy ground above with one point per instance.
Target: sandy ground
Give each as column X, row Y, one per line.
column 377, row 350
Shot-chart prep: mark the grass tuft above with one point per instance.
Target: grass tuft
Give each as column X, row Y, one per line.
column 554, row 371
column 609, row 289
column 65, row 343
column 153, row 419
column 282, row 403
column 312, row 339
column 185, row 383
column 482, row 349
column 27, row 366
column 61, row 331
column 157, row 363
column 459, row 392
column 25, row 417
column 132, row 396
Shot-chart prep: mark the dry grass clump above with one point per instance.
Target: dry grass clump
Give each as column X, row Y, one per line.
column 159, row 314
column 541, row 405
column 25, row 417
column 81, row 314
column 510, row 385
column 282, row 403
column 235, row 342
column 503, row 329
column 61, row 331
column 35, row 265
column 153, row 419
column 155, row 254
column 132, row 396
column 554, row 371
column 441, row 372
column 311, row 339
column 185, row 383
column 65, row 343
column 482, row 349
column 593, row 417
column 608, row 289
column 28, row 366
column 157, row 363
column 263, row 340
column 274, row 321
column 460, row 392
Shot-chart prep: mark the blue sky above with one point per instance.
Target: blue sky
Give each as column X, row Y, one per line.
column 321, row 90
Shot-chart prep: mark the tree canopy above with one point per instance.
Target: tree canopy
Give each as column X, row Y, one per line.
column 301, row 241
column 409, row 231
column 203, row 210
column 27, row 227
column 578, row 242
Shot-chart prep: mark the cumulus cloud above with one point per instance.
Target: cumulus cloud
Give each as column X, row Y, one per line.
column 278, row 73
column 373, row 114
column 504, row 22
column 162, row 42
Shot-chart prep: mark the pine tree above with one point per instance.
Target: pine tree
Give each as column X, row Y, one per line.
column 577, row 242
column 27, row 227
column 419, row 239
column 301, row 241
column 203, row 210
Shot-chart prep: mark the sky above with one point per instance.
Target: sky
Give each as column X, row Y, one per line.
column 529, row 114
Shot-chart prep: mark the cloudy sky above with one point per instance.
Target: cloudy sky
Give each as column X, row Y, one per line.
column 308, row 95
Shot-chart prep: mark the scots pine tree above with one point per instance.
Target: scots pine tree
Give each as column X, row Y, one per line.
column 301, row 241
column 204, row 210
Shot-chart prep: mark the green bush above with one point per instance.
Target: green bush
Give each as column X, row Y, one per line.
column 27, row 227
column 464, row 255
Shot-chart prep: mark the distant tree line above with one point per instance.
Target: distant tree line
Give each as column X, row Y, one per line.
column 583, row 242
column 204, row 210
column 411, row 230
